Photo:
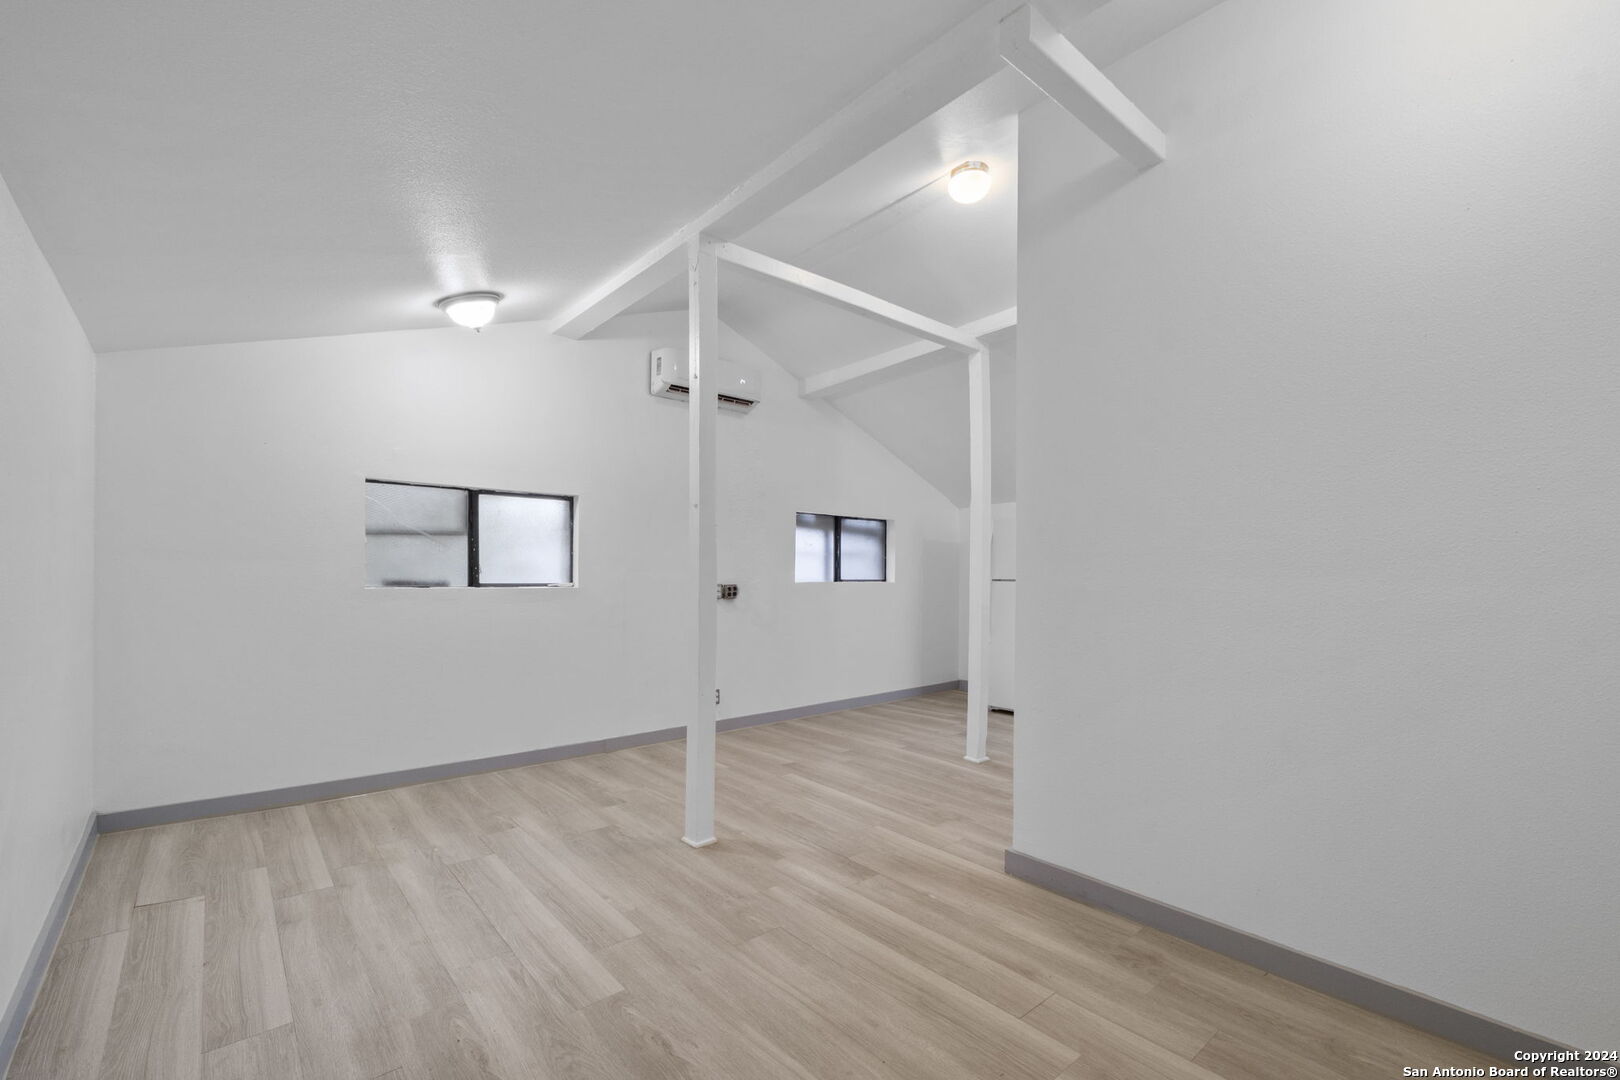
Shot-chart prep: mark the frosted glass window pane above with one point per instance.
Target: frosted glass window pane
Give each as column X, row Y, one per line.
column 525, row 541
column 415, row 536
column 862, row 544
column 813, row 547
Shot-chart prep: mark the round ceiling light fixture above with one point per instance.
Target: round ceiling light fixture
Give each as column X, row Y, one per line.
column 969, row 182
column 473, row 310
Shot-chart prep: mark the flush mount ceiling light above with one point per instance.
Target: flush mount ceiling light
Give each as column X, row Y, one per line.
column 969, row 181
column 470, row 309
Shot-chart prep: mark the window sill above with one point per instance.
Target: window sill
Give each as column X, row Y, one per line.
column 470, row 588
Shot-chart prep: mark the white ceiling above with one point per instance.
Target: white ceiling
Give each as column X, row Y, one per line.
column 203, row 172
column 919, row 249
column 199, row 171
column 887, row 226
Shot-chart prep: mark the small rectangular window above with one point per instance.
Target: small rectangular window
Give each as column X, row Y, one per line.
column 525, row 539
column 813, row 547
column 827, row 547
column 863, row 549
column 415, row 536
column 426, row 536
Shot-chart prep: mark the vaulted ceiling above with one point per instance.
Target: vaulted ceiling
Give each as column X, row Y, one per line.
column 200, row 172
column 888, row 227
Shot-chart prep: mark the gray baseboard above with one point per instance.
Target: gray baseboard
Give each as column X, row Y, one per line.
column 33, row 974
column 801, row 711
column 1397, row 1002
column 118, row 820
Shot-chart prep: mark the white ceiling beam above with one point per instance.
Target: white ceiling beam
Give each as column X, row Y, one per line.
column 851, row 377
column 943, row 71
column 845, row 296
column 1062, row 72
column 629, row 286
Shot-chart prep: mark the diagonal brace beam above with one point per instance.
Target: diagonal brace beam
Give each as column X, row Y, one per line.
column 845, row 296
column 942, row 71
column 851, row 377
column 1062, row 72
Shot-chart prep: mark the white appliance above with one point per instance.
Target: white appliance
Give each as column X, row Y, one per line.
column 1003, row 605
column 740, row 386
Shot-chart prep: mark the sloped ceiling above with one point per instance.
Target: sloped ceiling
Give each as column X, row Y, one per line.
column 922, row 250
column 922, row 418
column 887, row 226
column 200, row 172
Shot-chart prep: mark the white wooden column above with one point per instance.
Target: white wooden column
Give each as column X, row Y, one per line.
column 699, row 694
column 978, row 673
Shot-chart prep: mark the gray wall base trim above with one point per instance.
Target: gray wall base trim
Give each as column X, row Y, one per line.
column 33, row 974
column 118, row 820
column 801, row 711
column 1397, row 1002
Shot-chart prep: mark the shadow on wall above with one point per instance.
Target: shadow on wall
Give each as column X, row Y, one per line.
column 942, row 563
column 1083, row 193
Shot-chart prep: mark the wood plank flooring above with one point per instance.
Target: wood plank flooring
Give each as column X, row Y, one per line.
column 853, row 922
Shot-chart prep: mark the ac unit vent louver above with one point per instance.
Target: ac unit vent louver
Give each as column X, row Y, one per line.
column 670, row 376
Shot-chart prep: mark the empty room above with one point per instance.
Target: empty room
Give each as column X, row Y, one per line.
column 915, row 539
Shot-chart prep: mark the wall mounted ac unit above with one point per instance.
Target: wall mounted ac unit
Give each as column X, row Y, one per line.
column 740, row 386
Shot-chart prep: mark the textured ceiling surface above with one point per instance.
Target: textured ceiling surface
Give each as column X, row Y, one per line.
column 199, row 171
column 886, row 226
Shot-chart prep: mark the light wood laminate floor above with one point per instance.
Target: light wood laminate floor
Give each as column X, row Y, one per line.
column 853, row 922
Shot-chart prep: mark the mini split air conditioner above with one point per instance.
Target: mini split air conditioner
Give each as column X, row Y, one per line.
column 739, row 385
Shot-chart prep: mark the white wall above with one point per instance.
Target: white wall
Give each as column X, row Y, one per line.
column 239, row 651
column 47, row 458
column 1319, row 486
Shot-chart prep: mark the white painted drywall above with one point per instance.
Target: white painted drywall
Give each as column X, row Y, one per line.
column 47, row 460
column 239, row 651
column 1319, row 491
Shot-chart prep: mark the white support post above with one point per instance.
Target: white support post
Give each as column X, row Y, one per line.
column 978, row 673
column 1062, row 72
column 701, row 697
